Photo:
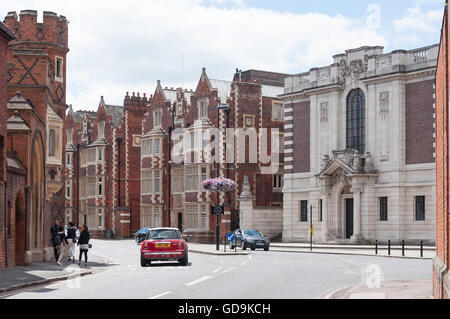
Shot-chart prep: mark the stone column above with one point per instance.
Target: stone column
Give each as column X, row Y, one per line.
column 246, row 206
column 326, row 195
column 357, row 237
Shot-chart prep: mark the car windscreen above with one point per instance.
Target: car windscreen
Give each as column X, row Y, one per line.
column 163, row 234
column 252, row 233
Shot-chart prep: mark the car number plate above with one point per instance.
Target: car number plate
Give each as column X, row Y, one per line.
column 162, row 245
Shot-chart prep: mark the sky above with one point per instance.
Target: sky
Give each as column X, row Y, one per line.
column 121, row 46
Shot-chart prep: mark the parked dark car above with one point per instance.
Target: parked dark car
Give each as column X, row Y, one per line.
column 253, row 239
column 140, row 236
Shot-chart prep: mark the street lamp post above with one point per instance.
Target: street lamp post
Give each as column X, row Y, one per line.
column 219, row 108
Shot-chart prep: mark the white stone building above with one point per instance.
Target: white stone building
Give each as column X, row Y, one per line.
column 359, row 145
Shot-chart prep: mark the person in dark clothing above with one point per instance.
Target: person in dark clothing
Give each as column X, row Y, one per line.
column 83, row 242
column 62, row 247
column 56, row 239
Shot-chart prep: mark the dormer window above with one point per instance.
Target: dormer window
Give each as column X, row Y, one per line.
column 203, row 109
column 101, row 130
column 59, row 63
column 157, row 118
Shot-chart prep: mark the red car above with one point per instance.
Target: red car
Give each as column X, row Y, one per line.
column 164, row 244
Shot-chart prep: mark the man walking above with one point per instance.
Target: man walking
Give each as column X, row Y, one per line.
column 56, row 239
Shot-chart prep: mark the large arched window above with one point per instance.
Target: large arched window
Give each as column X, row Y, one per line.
column 51, row 143
column 356, row 121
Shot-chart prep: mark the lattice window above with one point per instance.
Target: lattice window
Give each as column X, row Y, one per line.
column 157, row 118
column 356, row 121
column 146, row 181
column 420, row 208
column 192, row 178
column 147, row 216
column 156, row 216
column 203, row 216
column 383, row 208
column 147, row 147
column 91, row 192
column 278, row 112
column 191, row 217
column 303, row 211
column 178, row 180
column 91, row 218
column 51, row 143
column 157, row 182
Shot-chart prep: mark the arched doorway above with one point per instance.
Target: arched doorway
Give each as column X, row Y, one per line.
column 37, row 191
column 20, row 209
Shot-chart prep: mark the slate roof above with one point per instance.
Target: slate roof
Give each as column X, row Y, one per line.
column 116, row 112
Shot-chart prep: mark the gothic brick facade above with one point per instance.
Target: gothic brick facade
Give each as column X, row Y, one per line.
column 441, row 278
column 119, row 133
column 34, row 121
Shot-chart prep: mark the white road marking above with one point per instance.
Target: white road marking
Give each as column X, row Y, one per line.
column 228, row 270
column 199, row 280
column 217, row 270
column 160, row 295
column 245, row 262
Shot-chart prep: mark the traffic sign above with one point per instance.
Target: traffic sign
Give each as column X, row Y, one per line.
column 231, row 237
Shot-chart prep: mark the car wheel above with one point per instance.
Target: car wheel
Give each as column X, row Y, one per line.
column 184, row 261
column 243, row 246
column 253, row 248
column 144, row 263
column 266, row 248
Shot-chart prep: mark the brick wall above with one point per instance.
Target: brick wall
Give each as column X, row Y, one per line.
column 442, row 261
column 301, row 142
column 419, row 123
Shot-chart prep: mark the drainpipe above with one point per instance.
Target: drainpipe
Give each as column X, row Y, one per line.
column 119, row 141
column 6, row 224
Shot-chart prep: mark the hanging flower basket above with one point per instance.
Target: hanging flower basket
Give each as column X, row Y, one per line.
column 219, row 184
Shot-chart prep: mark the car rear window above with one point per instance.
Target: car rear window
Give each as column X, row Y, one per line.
column 163, row 234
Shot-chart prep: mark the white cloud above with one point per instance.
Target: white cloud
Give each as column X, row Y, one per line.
column 417, row 19
column 121, row 46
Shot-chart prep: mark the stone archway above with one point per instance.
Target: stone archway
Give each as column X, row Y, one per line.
column 20, row 229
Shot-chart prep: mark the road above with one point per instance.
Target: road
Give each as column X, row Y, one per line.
column 260, row 275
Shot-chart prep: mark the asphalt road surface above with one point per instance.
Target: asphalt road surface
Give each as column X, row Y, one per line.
column 261, row 275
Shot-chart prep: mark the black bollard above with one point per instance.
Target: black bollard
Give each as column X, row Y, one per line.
column 376, row 247
column 421, row 248
column 403, row 248
column 389, row 247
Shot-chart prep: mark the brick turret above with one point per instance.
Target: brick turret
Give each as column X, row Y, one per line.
column 37, row 57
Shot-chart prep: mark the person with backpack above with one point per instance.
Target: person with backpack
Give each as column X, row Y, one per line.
column 83, row 242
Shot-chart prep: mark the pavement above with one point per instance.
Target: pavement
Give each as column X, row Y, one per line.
column 327, row 269
column 411, row 252
column 39, row 274
column 417, row 289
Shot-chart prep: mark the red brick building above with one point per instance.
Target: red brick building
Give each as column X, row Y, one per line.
column 441, row 278
column 122, row 181
column 171, row 191
column 5, row 36
column 35, row 114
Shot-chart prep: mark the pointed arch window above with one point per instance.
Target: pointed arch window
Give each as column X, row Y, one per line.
column 51, row 143
column 356, row 121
